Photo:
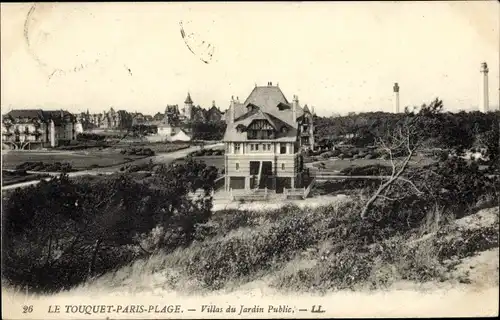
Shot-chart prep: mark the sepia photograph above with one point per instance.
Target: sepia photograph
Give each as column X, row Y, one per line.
column 228, row 160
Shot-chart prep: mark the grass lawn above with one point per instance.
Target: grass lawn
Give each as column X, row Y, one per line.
column 332, row 164
column 78, row 160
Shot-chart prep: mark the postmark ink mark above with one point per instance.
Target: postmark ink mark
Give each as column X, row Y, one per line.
column 37, row 38
column 128, row 69
column 200, row 48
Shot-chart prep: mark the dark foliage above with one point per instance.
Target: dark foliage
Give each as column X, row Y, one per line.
column 48, row 167
column 455, row 131
column 210, row 130
column 59, row 233
column 146, row 152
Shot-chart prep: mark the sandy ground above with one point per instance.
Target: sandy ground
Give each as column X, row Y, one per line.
column 222, row 204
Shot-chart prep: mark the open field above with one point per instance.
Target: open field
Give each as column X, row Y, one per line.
column 93, row 157
column 78, row 160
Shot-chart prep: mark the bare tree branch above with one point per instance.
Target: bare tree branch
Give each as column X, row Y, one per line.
column 403, row 136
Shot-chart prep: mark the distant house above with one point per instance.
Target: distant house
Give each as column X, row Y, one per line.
column 111, row 119
column 198, row 114
column 214, row 114
column 139, row 119
column 264, row 139
column 158, row 116
column 27, row 128
column 170, row 124
column 181, row 135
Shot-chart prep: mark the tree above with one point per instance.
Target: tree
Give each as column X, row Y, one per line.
column 403, row 142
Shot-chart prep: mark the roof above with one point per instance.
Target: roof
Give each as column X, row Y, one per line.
column 214, row 109
column 26, row 113
column 188, row 99
column 266, row 102
column 43, row 115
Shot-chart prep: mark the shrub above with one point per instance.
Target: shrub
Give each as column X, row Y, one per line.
column 63, row 231
column 325, row 155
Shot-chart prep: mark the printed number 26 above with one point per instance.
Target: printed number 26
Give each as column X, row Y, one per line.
column 27, row 309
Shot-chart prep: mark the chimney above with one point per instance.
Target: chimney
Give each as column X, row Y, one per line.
column 231, row 110
column 312, row 110
column 295, row 106
column 396, row 97
column 213, row 103
column 484, row 104
column 270, row 83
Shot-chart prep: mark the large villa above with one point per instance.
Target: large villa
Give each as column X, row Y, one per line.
column 264, row 141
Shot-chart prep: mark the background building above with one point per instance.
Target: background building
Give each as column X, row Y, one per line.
column 32, row 128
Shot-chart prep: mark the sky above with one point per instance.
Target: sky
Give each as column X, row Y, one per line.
column 338, row 56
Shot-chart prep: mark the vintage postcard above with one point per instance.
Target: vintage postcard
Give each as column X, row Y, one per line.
column 226, row 160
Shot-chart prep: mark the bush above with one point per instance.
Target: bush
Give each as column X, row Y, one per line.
column 325, row 155
column 61, row 232
column 146, row 152
column 46, row 167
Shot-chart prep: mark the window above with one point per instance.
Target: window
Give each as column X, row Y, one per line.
column 256, row 147
column 260, row 129
column 268, row 147
column 237, row 166
column 237, row 148
column 282, row 166
column 282, row 148
column 252, row 147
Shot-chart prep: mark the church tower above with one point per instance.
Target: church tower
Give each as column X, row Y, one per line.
column 188, row 107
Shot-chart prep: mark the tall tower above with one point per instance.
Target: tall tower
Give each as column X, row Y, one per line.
column 484, row 104
column 396, row 97
column 188, row 107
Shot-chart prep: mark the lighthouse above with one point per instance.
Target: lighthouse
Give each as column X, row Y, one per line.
column 396, row 97
column 484, row 103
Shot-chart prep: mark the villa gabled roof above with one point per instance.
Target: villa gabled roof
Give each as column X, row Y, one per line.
column 271, row 105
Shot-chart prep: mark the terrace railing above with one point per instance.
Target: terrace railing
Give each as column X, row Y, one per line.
column 298, row 192
column 249, row 195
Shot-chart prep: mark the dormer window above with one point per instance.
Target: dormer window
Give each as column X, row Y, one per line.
column 284, row 130
column 241, row 128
